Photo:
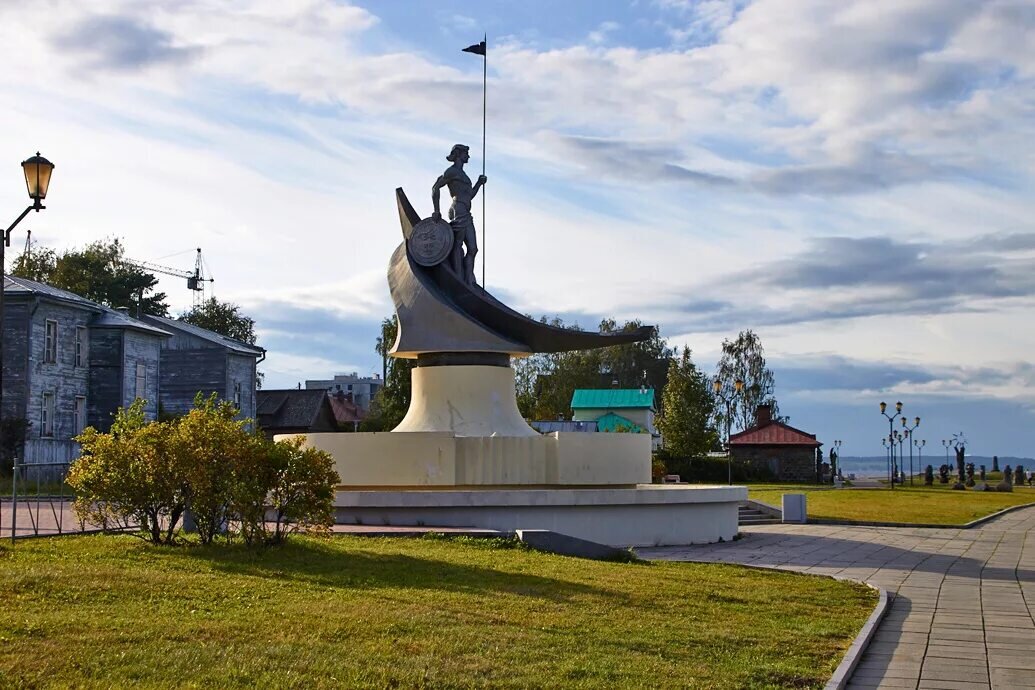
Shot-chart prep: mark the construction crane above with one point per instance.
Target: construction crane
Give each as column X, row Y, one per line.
column 195, row 279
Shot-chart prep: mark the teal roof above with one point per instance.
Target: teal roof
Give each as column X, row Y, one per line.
column 612, row 421
column 612, row 398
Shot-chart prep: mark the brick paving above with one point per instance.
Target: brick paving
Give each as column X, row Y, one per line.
column 963, row 608
column 38, row 517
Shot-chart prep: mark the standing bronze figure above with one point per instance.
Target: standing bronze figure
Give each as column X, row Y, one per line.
column 460, row 218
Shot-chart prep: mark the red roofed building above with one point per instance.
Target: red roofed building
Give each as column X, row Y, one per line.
column 789, row 454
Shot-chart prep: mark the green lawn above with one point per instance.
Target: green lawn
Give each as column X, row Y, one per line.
column 111, row 611
column 935, row 505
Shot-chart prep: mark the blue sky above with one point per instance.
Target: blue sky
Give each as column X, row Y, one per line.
column 852, row 180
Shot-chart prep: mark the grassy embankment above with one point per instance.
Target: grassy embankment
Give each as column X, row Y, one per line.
column 935, row 505
column 111, row 611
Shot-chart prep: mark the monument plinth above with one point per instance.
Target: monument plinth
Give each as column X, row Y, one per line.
column 463, row 456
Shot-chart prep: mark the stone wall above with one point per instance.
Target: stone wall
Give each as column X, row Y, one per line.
column 785, row 463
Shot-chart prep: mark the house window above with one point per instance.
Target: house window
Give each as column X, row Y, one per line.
column 141, row 387
column 80, row 346
column 47, row 416
column 237, row 394
column 50, row 343
column 80, row 414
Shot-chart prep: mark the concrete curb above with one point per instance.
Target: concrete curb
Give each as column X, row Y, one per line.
column 417, row 532
column 923, row 525
column 853, row 656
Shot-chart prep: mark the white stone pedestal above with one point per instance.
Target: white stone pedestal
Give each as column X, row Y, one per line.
column 470, row 400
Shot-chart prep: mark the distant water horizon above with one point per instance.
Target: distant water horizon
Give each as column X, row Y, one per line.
column 877, row 466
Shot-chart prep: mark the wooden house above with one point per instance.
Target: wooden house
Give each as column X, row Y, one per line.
column 197, row 360
column 69, row 363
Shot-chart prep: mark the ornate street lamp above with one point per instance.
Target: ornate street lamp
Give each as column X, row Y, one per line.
column 900, row 439
column 727, row 400
column 37, row 171
column 920, row 443
column 891, row 437
column 909, row 435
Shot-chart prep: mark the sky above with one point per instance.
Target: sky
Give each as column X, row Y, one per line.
column 850, row 179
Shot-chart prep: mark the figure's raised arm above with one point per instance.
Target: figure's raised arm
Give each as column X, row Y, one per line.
column 439, row 184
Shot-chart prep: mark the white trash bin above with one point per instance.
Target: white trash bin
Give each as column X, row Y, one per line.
column 794, row 508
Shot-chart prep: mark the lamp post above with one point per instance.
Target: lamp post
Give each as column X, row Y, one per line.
column 909, row 436
column 920, row 443
column 891, row 435
column 899, row 438
column 727, row 400
column 37, row 170
column 946, row 443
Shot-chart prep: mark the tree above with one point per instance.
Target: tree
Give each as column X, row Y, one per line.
column 744, row 359
column 224, row 318
column 545, row 382
column 688, row 405
column 98, row 272
column 38, row 263
column 391, row 402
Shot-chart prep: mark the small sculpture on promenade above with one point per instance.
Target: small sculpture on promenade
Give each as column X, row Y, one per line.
column 460, row 218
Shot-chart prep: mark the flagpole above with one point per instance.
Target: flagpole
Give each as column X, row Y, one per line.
column 485, row 82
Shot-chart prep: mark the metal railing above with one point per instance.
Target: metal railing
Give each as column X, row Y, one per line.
column 39, row 502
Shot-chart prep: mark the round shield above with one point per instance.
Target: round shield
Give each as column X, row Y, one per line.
column 430, row 241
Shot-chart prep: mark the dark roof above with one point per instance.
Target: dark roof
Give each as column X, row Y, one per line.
column 773, row 434
column 106, row 317
column 205, row 334
column 290, row 409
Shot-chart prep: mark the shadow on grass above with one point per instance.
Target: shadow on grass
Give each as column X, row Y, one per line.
column 327, row 565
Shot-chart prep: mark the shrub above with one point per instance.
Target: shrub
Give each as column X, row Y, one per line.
column 130, row 475
column 214, row 445
column 711, row 470
column 302, row 493
column 207, row 462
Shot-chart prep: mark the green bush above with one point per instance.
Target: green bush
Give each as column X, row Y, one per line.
column 207, row 462
column 131, row 475
column 710, row 470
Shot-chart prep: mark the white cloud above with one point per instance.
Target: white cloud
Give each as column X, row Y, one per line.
column 272, row 135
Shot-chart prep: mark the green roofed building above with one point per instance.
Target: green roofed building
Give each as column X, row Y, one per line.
column 617, row 409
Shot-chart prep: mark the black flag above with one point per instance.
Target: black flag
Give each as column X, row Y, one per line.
column 477, row 49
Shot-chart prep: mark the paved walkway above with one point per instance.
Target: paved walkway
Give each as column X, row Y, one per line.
column 38, row 517
column 963, row 608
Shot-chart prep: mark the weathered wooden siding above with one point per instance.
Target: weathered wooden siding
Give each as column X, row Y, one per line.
column 16, row 358
column 185, row 373
column 62, row 378
column 141, row 348
column 186, row 341
column 241, row 369
column 105, row 394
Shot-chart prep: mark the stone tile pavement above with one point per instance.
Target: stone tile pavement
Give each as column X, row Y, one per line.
column 963, row 608
column 38, row 517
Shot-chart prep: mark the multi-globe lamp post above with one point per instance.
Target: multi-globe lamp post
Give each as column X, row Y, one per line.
column 900, row 438
column 37, row 171
column 908, row 432
column 891, row 437
column 727, row 400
